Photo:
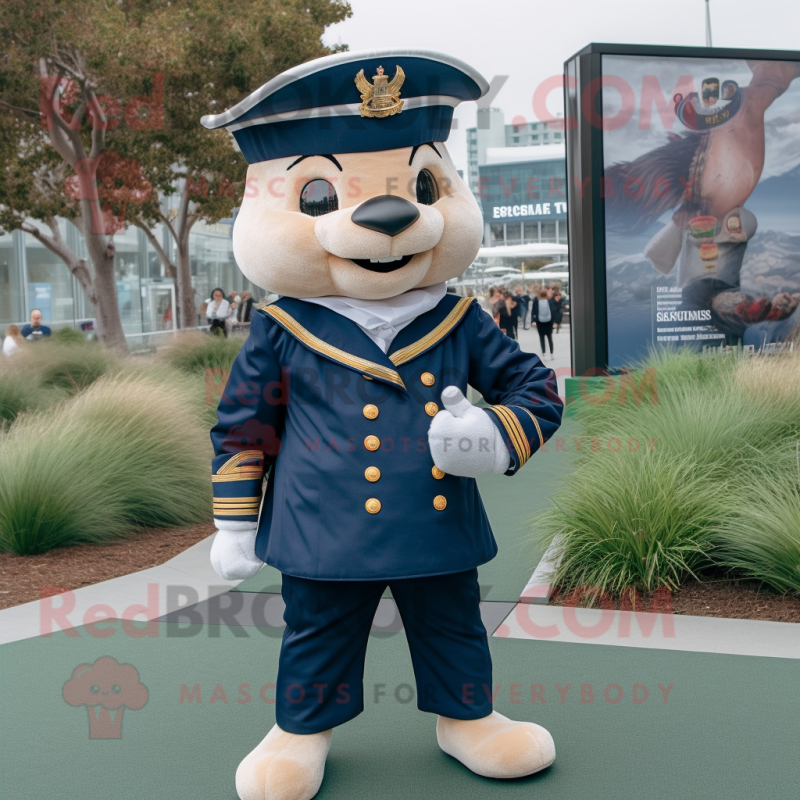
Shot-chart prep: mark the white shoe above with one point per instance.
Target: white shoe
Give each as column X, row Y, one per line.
column 284, row 766
column 497, row 747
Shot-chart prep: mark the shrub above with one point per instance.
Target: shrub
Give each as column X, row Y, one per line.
column 194, row 352
column 632, row 519
column 759, row 536
column 69, row 336
column 722, row 429
column 68, row 366
column 17, row 394
column 761, row 539
column 123, row 453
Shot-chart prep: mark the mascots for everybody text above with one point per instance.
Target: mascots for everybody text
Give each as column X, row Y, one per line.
column 349, row 399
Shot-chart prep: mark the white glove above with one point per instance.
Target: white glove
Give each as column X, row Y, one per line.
column 463, row 439
column 233, row 553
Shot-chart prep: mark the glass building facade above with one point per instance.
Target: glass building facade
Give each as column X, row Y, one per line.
column 523, row 202
column 492, row 131
column 31, row 276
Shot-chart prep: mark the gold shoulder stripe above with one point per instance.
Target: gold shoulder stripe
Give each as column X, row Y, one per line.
column 430, row 339
column 323, row 348
column 232, row 465
column 535, row 422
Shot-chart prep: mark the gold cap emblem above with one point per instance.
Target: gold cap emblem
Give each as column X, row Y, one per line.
column 382, row 97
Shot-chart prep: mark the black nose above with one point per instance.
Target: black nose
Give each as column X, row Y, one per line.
column 386, row 214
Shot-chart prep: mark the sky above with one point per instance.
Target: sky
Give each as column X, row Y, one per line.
column 529, row 42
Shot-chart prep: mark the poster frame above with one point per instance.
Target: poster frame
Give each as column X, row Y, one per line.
column 586, row 211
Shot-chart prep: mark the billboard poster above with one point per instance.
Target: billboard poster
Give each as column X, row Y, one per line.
column 701, row 190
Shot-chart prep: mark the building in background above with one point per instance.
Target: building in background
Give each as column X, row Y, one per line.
column 518, row 176
column 492, row 132
column 31, row 276
column 522, row 193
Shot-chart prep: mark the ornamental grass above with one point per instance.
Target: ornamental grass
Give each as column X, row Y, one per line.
column 714, row 485
column 121, row 454
column 194, row 353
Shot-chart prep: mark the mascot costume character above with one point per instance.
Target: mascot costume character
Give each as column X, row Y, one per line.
column 355, row 215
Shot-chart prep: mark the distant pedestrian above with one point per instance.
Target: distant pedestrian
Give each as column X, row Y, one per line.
column 542, row 315
column 507, row 316
column 13, row 342
column 523, row 301
column 35, row 331
column 493, row 300
column 218, row 310
column 558, row 307
column 245, row 307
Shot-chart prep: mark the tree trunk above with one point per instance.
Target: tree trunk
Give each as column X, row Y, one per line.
column 109, row 320
column 100, row 247
column 187, row 312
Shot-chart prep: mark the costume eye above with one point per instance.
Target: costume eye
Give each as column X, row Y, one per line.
column 318, row 197
column 426, row 188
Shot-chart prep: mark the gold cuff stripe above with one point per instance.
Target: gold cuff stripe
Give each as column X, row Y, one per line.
column 235, row 512
column 236, row 505
column 232, row 464
column 535, row 422
column 515, row 431
column 236, row 501
column 439, row 332
column 315, row 343
column 510, row 431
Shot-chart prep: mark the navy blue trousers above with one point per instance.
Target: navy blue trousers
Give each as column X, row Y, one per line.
column 321, row 669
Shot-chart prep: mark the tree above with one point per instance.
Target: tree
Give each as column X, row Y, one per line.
column 101, row 106
column 224, row 58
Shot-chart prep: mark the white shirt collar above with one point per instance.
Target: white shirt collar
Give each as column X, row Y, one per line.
column 382, row 320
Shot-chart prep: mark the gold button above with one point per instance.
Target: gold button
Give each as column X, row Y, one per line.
column 370, row 411
column 431, row 409
column 372, row 474
column 366, row 377
column 373, row 505
column 439, row 502
column 372, row 443
column 437, row 473
column 427, row 379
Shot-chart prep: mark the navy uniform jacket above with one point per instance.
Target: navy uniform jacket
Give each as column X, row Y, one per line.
column 340, row 430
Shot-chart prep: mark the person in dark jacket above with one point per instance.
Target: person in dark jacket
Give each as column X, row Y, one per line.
column 35, row 330
column 507, row 315
column 523, row 301
column 558, row 299
column 542, row 314
column 244, row 307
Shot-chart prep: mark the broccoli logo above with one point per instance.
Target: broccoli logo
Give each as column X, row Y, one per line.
column 106, row 688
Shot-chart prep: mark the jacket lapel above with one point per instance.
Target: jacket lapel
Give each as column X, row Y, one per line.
column 427, row 330
column 334, row 337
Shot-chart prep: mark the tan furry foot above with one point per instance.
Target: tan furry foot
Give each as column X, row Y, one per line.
column 284, row 766
column 495, row 746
